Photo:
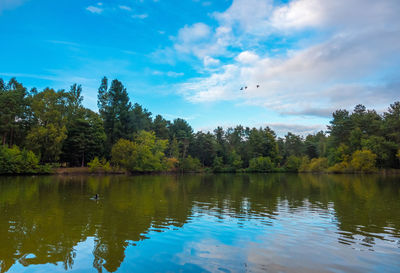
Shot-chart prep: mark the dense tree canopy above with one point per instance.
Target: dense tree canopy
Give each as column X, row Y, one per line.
column 57, row 128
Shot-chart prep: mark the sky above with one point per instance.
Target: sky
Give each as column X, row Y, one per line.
column 190, row 59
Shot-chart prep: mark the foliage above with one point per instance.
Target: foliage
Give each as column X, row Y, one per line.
column 190, row 164
column 85, row 139
column 115, row 110
column 16, row 161
column 56, row 127
column 218, row 164
column 13, row 111
column 293, row 163
column 97, row 165
column 49, row 126
column 315, row 165
column 341, row 167
column 363, row 161
column 261, row 164
column 144, row 154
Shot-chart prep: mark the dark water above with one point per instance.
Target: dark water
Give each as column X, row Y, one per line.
column 200, row 223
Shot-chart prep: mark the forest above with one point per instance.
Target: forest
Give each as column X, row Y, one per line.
column 48, row 129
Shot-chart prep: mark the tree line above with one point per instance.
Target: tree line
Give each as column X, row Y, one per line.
column 40, row 129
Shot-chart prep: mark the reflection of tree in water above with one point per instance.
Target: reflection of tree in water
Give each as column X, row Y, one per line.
column 42, row 220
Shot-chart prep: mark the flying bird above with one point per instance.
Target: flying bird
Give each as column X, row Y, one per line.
column 258, row 85
column 245, row 87
column 241, row 88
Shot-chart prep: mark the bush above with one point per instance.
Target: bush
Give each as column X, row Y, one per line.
column 261, row 164
column 315, row 165
column 235, row 161
column 97, row 165
column 16, row 161
column 144, row 154
column 190, row 164
column 342, row 167
column 293, row 163
column 363, row 161
column 218, row 164
column 305, row 161
column 171, row 163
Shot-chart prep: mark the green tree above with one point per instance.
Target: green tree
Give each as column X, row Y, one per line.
column 144, row 154
column 293, row 163
column 218, row 164
column 262, row 143
column 49, row 131
column 363, row 161
column 183, row 132
column 160, row 127
column 115, row 110
column 140, row 119
column 384, row 150
column 190, row 164
column 13, row 111
column 261, row 164
column 85, row 139
column 204, row 148
column 341, row 126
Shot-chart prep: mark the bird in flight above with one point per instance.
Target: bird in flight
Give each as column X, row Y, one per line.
column 241, row 88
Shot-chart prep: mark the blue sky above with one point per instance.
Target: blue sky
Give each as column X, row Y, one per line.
column 190, row 58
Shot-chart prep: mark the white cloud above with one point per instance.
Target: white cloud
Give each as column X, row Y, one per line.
column 125, row 7
column 172, row 74
column 298, row 14
column 209, row 61
column 94, row 9
column 354, row 61
column 247, row 57
column 140, row 16
column 219, row 86
column 200, row 40
column 193, row 33
column 247, row 15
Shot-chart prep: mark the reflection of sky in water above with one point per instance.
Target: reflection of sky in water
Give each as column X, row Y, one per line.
column 148, row 225
column 302, row 240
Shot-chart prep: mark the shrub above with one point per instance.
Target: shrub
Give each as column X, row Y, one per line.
column 305, row 161
column 315, row 165
column 293, row 163
column 190, row 164
column 341, row 167
column 16, row 161
column 144, row 154
column 171, row 163
column 318, row 164
column 261, row 164
column 97, row 165
column 218, row 164
column 363, row 161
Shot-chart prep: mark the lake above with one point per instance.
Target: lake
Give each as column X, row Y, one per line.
column 200, row 223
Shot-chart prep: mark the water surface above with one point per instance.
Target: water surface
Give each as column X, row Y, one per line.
column 200, row 223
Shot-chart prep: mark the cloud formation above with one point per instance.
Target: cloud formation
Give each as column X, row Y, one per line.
column 95, row 9
column 352, row 56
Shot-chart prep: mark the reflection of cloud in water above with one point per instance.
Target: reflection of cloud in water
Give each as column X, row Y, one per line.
column 292, row 243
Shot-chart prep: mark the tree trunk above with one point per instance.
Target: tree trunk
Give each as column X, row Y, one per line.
column 4, row 139
column 83, row 160
column 11, row 138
